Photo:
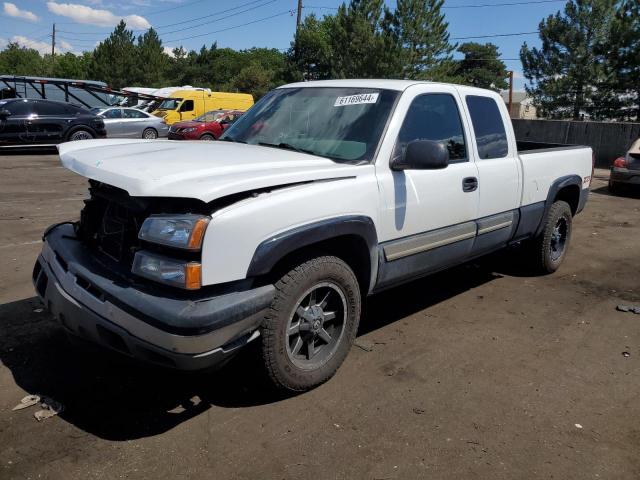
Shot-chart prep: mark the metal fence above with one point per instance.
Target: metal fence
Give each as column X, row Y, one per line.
column 607, row 139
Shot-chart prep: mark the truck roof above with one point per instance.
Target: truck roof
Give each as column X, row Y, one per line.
column 386, row 84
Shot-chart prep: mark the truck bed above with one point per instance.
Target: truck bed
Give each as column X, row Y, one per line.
column 527, row 146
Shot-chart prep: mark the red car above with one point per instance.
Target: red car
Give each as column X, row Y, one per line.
column 208, row 126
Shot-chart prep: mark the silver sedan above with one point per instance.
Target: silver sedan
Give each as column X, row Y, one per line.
column 131, row 123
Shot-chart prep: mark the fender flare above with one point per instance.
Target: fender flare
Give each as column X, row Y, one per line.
column 555, row 187
column 275, row 248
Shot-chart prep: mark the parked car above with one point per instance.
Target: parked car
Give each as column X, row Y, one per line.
column 132, row 123
column 206, row 127
column 625, row 171
column 321, row 194
column 28, row 121
column 184, row 105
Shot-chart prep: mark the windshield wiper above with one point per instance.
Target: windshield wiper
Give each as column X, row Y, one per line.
column 287, row 146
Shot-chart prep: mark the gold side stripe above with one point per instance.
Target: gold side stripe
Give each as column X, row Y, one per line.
column 491, row 228
column 429, row 241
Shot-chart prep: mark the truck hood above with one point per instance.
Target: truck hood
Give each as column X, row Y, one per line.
column 201, row 170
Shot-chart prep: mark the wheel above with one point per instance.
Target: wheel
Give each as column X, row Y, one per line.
column 207, row 137
column 149, row 134
column 80, row 134
column 614, row 188
column 551, row 246
column 311, row 323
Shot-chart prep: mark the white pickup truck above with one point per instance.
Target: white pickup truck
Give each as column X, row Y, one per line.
column 321, row 194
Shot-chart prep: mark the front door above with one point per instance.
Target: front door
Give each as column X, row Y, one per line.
column 427, row 216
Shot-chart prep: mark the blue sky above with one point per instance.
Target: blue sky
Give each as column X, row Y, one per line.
column 81, row 24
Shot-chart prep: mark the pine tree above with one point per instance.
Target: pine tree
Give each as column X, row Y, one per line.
column 115, row 60
column 481, row 66
column 360, row 42
column 420, row 29
column 624, row 60
column 152, row 59
column 568, row 76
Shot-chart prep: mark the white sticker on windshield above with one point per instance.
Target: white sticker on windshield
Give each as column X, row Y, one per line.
column 356, row 99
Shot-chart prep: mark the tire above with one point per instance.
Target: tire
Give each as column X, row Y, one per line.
column 614, row 188
column 207, row 137
column 550, row 248
column 80, row 134
column 326, row 292
column 149, row 134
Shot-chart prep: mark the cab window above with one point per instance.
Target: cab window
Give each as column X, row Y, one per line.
column 488, row 126
column 187, row 106
column 435, row 117
column 132, row 113
column 112, row 113
column 20, row 108
column 45, row 109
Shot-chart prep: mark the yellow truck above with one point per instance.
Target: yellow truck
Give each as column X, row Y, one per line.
column 189, row 104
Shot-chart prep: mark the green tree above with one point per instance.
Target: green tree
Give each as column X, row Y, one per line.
column 70, row 65
column 420, row 28
column 152, row 59
column 115, row 61
column 481, row 66
column 565, row 74
column 623, row 96
column 310, row 53
column 253, row 79
column 360, row 41
column 17, row 60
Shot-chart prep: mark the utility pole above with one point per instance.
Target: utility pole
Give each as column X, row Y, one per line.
column 298, row 19
column 299, row 16
column 53, row 41
column 510, row 91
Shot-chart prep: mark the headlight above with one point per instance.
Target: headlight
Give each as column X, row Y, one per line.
column 179, row 231
column 188, row 129
column 177, row 273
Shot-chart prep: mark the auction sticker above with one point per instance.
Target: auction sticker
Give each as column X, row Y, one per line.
column 356, row 99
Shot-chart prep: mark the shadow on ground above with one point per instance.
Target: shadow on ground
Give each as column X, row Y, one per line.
column 628, row 192
column 114, row 398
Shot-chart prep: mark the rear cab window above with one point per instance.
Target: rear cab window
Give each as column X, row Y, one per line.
column 488, row 126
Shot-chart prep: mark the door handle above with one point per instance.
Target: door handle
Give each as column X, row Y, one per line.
column 469, row 184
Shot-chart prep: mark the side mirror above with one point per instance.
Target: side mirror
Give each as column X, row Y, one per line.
column 422, row 155
column 4, row 113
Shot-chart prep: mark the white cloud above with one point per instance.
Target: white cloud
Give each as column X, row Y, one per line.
column 13, row 11
column 42, row 47
column 92, row 16
column 169, row 51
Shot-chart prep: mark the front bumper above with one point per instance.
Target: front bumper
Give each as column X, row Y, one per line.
column 624, row 175
column 182, row 136
column 154, row 324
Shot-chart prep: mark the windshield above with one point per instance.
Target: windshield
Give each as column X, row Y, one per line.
column 212, row 116
column 344, row 124
column 169, row 104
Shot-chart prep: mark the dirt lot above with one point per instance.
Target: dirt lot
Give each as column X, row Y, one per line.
column 480, row 372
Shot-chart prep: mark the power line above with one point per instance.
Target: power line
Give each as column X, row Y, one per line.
column 482, row 5
column 189, row 20
column 496, row 35
column 219, row 19
column 288, row 12
column 508, row 4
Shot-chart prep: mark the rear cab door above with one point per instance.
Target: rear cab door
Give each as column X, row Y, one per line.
column 427, row 217
column 499, row 168
column 113, row 122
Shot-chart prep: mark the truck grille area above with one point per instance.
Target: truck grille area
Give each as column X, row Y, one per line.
column 111, row 219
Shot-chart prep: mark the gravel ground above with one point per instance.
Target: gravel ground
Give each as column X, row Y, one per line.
column 478, row 372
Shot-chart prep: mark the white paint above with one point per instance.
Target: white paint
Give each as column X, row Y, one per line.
column 398, row 203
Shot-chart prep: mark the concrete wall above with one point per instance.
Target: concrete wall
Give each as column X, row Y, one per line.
column 609, row 140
